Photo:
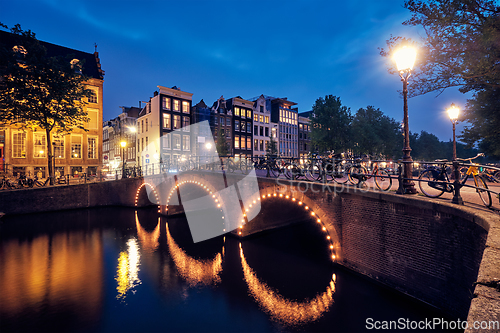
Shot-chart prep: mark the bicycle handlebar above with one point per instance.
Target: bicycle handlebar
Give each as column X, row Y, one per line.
column 471, row 158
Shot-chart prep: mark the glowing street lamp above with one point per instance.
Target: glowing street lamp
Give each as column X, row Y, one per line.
column 405, row 59
column 453, row 112
column 123, row 144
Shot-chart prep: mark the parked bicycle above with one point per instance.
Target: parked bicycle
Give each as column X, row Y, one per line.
column 24, row 181
column 359, row 174
column 295, row 170
column 335, row 168
column 7, row 184
column 434, row 180
column 40, row 182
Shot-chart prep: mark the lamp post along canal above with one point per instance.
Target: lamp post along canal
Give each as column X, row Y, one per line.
column 453, row 112
column 405, row 59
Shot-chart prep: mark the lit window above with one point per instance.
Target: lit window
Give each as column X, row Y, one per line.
column 185, row 107
column 249, row 114
column 267, row 119
column 39, row 145
column 176, row 144
column 186, row 143
column 177, row 105
column 166, row 141
column 236, row 111
column 185, row 124
column 76, row 146
column 166, row 121
column 177, row 122
column 249, row 143
column 92, row 147
column 166, row 103
column 261, row 118
column 255, row 117
column 243, row 142
column 237, row 142
column 93, row 94
column 58, row 144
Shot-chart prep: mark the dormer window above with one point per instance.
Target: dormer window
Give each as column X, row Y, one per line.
column 75, row 64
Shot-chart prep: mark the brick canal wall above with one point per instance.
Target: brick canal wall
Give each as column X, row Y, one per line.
column 428, row 250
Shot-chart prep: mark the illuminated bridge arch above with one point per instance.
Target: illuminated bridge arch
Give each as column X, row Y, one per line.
column 153, row 191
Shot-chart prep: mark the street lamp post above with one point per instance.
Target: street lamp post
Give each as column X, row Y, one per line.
column 405, row 59
column 453, row 112
column 123, row 144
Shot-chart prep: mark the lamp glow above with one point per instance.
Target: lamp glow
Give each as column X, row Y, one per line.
column 405, row 58
column 123, row 144
column 453, row 112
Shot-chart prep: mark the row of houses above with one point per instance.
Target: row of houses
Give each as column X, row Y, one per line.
column 159, row 131
column 163, row 130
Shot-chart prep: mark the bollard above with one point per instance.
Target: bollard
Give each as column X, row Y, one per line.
column 457, row 199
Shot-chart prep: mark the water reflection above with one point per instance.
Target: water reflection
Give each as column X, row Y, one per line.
column 63, row 270
column 281, row 309
column 127, row 274
column 149, row 240
column 196, row 272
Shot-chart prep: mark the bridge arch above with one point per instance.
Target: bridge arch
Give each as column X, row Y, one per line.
column 308, row 205
column 153, row 190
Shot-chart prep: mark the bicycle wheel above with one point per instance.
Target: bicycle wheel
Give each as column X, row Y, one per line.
column 313, row 172
column 288, row 170
column 383, row 180
column 274, row 170
column 426, row 180
column 484, row 195
column 340, row 175
column 356, row 174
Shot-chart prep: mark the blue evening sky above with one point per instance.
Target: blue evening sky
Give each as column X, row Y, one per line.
column 296, row 49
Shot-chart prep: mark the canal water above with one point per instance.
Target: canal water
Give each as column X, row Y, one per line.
column 121, row 270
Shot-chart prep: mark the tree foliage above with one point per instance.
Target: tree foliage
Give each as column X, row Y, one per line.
column 330, row 125
column 375, row 134
column 461, row 46
column 272, row 147
column 221, row 145
column 40, row 91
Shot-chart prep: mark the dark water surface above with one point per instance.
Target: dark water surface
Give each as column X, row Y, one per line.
column 118, row 270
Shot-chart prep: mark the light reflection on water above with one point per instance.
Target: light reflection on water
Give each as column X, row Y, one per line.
column 131, row 271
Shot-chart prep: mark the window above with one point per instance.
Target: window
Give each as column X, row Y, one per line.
column 255, row 130
column 249, row 114
column 185, row 124
column 261, row 118
column 236, row 111
column 58, row 144
column 262, row 144
column 255, row 117
column 249, row 127
column 262, row 108
column 242, row 128
column 39, row 145
column 166, row 103
column 176, row 144
column 76, row 146
column 236, row 125
column 267, row 119
column 261, row 131
column 185, row 107
column 177, row 122
column 147, row 143
column 93, row 94
column 92, row 147
column 146, row 125
column 142, row 126
column 236, row 142
column 177, row 105
column 186, row 143
column 243, row 145
column 92, row 114
column 216, row 121
column 266, row 132
column 255, row 144
column 166, row 121
column 249, row 143
column 228, row 121
column 222, row 122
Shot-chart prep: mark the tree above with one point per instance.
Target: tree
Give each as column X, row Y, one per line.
column 483, row 115
column 271, row 149
column 40, row 91
column 221, row 145
column 375, row 134
column 461, row 47
column 330, row 125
